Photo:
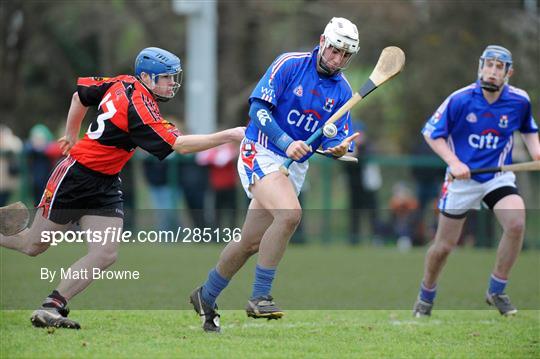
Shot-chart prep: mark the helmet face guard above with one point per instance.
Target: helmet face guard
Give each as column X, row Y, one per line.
column 340, row 37
column 160, row 64
column 325, row 62
column 495, row 53
column 169, row 89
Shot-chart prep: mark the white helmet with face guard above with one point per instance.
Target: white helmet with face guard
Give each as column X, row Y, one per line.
column 341, row 35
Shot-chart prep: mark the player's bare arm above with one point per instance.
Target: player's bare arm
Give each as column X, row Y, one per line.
column 196, row 143
column 75, row 116
column 458, row 169
column 533, row 144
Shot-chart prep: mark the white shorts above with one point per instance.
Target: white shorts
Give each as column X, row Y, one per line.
column 460, row 196
column 255, row 162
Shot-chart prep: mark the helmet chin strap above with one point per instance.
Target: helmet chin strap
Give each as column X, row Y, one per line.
column 489, row 87
column 151, row 90
column 161, row 98
column 323, row 67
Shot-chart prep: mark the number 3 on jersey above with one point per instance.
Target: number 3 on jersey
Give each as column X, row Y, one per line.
column 108, row 112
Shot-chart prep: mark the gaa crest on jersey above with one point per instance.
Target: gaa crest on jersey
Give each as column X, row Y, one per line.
column 329, row 104
column 299, row 91
column 503, row 121
column 471, row 117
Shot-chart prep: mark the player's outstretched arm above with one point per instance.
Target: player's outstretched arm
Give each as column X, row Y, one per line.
column 196, row 143
column 458, row 169
column 533, row 144
column 75, row 116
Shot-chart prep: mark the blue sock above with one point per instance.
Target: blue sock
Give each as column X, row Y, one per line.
column 263, row 281
column 496, row 284
column 213, row 287
column 427, row 294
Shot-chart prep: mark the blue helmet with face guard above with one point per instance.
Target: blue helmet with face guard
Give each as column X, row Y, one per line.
column 496, row 53
column 157, row 62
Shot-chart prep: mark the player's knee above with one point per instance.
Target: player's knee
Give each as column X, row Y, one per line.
column 34, row 250
column 515, row 227
column 251, row 249
column 447, row 248
column 444, row 249
column 290, row 219
column 110, row 258
column 107, row 258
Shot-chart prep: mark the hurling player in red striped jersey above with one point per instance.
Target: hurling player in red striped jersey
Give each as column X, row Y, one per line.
column 85, row 186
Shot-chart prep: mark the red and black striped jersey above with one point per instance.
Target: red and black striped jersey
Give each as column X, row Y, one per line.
column 128, row 117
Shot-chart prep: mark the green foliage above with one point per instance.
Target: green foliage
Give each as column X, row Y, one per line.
column 61, row 40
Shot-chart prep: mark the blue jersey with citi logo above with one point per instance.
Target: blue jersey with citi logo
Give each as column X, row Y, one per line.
column 302, row 100
column 479, row 133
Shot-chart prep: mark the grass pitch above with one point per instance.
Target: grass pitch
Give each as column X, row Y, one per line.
column 378, row 285
column 301, row 334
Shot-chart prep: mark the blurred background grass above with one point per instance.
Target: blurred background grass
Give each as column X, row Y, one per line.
column 310, row 277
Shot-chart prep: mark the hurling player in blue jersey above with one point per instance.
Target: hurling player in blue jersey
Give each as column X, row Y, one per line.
column 473, row 128
column 297, row 94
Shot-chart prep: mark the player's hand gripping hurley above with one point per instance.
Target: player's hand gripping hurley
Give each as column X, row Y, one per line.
column 516, row 167
column 391, row 62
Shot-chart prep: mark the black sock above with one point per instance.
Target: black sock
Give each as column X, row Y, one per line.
column 55, row 300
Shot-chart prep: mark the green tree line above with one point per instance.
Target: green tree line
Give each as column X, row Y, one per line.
column 46, row 45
